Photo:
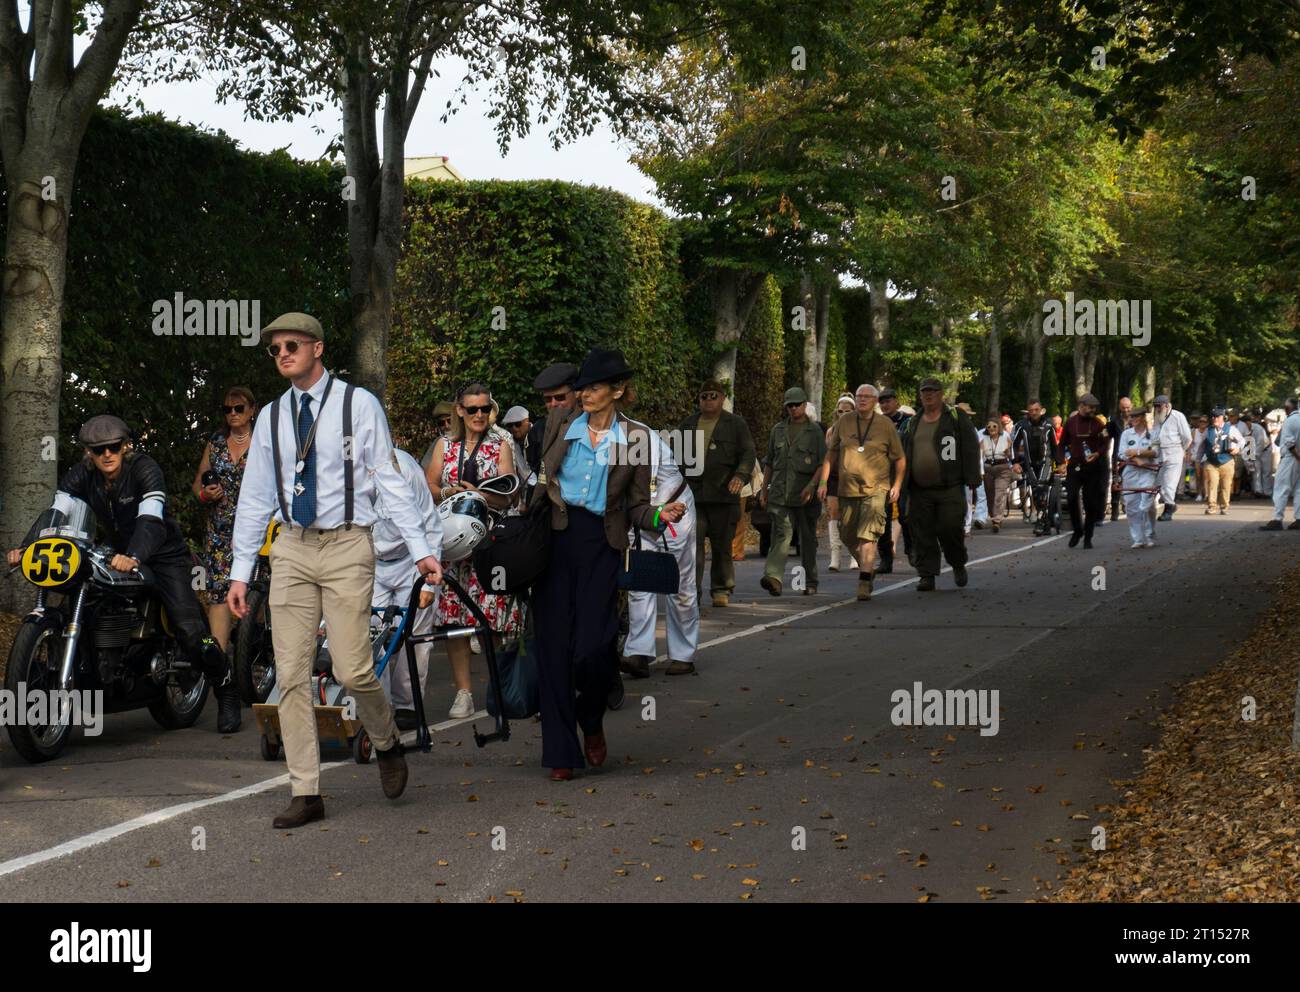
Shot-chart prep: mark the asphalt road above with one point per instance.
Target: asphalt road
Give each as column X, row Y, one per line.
column 783, row 736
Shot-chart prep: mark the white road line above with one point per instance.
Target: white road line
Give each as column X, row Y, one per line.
column 171, row 812
column 760, row 627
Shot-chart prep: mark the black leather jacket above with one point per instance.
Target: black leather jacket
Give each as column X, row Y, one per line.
column 133, row 511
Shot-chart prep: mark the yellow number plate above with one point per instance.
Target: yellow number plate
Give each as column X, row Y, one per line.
column 272, row 532
column 51, row 562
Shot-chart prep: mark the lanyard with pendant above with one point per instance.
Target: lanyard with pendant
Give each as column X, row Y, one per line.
column 305, row 447
column 863, row 436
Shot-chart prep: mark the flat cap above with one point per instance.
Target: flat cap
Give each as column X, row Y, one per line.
column 444, row 409
column 302, row 323
column 966, row 408
column 104, row 429
column 1161, row 399
column 515, row 415
column 795, row 395
column 930, row 382
column 1218, row 411
column 888, row 392
column 1089, row 399
column 555, row 376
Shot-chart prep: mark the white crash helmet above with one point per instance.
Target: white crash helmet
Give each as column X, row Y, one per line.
column 464, row 523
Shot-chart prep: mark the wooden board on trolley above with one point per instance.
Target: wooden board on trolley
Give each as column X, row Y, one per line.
column 332, row 727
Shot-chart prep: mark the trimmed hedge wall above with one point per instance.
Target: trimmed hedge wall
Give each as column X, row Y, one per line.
column 500, row 279
column 160, row 209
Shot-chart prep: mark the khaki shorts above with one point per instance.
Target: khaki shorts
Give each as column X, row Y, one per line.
column 862, row 518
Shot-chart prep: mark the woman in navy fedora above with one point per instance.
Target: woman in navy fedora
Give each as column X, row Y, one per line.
column 596, row 494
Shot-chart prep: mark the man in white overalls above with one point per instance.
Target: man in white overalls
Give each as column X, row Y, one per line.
column 1286, row 484
column 395, row 574
column 1139, row 451
column 667, row 486
column 1173, row 438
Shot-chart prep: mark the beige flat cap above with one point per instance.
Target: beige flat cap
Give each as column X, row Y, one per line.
column 302, row 323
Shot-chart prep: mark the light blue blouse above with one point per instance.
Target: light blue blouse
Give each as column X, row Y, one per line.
column 584, row 473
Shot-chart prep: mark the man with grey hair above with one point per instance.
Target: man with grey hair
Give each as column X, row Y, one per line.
column 867, row 455
column 1173, row 438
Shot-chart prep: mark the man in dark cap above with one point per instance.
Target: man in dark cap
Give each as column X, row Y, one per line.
column 943, row 470
column 1084, row 441
column 128, row 495
column 555, row 383
column 728, row 449
column 796, row 449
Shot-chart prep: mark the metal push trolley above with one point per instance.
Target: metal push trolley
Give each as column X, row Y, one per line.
column 335, row 727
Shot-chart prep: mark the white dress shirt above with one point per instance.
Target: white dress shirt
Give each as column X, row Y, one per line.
column 372, row 468
column 389, row 542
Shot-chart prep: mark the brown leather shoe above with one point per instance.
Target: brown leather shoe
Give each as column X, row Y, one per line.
column 593, row 746
column 637, row 666
column 681, row 668
column 302, row 810
column 392, row 770
column 561, row 774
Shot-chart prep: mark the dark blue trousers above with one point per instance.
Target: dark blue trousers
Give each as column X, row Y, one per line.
column 575, row 609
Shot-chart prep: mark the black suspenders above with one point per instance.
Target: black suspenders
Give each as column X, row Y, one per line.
column 348, row 484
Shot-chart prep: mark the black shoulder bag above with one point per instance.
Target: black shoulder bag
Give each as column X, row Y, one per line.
column 650, row 570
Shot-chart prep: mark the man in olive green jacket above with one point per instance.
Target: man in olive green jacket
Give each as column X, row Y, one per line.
column 727, row 447
column 796, row 449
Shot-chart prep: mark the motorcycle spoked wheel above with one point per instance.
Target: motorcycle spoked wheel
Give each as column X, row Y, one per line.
column 34, row 660
column 254, row 654
column 182, row 700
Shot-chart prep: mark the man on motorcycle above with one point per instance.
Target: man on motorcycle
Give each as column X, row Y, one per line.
column 128, row 496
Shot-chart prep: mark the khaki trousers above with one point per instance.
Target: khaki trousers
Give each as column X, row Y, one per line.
column 1218, row 484
column 330, row 572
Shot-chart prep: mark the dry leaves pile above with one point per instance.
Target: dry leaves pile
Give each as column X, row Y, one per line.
column 1215, row 814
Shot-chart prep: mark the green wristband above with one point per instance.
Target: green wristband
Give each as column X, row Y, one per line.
column 655, row 525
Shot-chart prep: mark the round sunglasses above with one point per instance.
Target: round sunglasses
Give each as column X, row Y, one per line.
column 289, row 346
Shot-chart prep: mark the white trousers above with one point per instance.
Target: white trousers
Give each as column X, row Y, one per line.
column 1170, row 474
column 393, row 582
column 1139, row 508
column 683, row 620
column 1263, row 479
column 1286, row 486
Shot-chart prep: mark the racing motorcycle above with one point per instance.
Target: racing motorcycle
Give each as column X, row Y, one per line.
column 107, row 632
column 254, row 662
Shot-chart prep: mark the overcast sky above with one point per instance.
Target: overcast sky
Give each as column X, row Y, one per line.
column 467, row 137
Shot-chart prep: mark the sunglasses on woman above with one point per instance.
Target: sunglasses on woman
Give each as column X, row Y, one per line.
column 111, row 448
column 472, row 410
column 289, row 346
column 237, row 408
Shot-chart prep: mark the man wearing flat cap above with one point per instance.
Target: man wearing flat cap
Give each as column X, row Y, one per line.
column 796, row 449
column 728, row 449
column 555, row 383
column 320, row 461
column 1083, row 442
column 943, row 469
column 128, row 495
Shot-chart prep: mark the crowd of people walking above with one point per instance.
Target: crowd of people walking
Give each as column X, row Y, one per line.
column 361, row 522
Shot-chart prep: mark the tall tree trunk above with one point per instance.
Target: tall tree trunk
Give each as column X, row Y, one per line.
column 1036, row 352
column 1165, row 378
column 950, row 367
column 881, row 374
column 734, row 295
column 1090, row 364
column 823, row 335
column 1111, row 400
column 45, row 106
column 808, row 298
column 1080, row 367
column 1148, row 383
column 993, row 364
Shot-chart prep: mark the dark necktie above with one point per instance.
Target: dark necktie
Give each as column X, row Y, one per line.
column 304, row 489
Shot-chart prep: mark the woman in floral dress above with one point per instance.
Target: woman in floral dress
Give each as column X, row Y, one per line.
column 224, row 454
column 475, row 452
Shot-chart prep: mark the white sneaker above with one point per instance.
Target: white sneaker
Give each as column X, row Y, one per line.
column 463, row 706
column 1150, row 543
column 1200, row 497
column 1136, row 544
column 474, row 646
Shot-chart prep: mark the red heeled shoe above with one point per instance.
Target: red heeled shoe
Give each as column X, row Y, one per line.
column 593, row 745
column 561, row 774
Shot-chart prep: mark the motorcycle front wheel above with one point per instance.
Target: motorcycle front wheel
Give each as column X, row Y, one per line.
column 181, row 702
column 254, row 655
column 34, row 660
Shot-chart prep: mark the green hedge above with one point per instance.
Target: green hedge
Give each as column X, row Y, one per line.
column 760, row 365
column 500, row 279
column 157, row 209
